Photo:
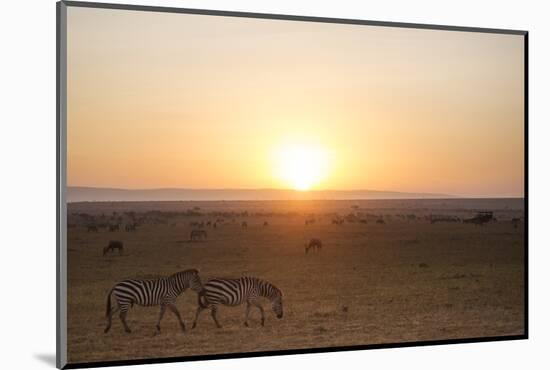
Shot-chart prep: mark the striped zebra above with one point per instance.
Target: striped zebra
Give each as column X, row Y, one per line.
column 234, row 292
column 151, row 292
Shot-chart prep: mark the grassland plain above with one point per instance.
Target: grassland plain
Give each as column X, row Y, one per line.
column 372, row 283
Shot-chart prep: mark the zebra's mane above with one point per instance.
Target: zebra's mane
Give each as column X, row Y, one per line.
column 184, row 272
column 278, row 292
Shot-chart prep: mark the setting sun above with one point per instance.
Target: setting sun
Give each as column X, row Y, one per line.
column 302, row 166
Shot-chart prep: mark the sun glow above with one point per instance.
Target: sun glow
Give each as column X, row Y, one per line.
column 302, row 166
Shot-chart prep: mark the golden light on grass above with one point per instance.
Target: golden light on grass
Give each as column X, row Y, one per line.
column 302, row 165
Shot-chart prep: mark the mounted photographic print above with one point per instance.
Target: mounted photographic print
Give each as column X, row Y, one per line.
column 238, row 184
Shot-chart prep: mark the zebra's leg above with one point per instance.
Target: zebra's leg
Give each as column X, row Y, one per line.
column 247, row 313
column 122, row 315
column 109, row 319
column 162, row 310
column 261, row 310
column 213, row 312
column 174, row 309
column 199, row 310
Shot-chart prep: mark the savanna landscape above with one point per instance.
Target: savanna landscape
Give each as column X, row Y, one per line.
column 358, row 184
column 407, row 279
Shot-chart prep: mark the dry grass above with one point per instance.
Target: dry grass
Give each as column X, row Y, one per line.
column 371, row 283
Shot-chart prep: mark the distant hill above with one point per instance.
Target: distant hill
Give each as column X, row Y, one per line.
column 90, row 194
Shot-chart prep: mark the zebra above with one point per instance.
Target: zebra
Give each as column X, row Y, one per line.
column 234, row 292
column 151, row 292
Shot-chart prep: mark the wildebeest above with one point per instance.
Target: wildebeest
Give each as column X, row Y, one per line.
column 92, row 229
column 244, row 225
column 351, row 218
column 265, row 223
column 114, row 227
column 337, row 221
column 113, row 244
column 475, row 221
column 380, row 221
column 411, row 217
column 443, row 218
column 209, row 223
column 480, row 219
column 131, row 227
column 197, row 235
column 314, row 244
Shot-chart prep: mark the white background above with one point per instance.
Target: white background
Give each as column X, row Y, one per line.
column 27, row 213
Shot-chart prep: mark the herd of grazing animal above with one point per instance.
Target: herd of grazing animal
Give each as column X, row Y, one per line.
column 248, row 291
column 164, row 291
column 199, row 234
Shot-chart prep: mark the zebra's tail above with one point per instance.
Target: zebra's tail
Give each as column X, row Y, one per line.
column 203, row 302
column 108, row 311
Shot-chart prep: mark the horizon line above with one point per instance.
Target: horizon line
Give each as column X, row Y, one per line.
column 254, row 189
column 293, row 200
column 439, row 195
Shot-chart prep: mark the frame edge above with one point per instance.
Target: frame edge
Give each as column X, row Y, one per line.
column 61, row 210
column 289, row 17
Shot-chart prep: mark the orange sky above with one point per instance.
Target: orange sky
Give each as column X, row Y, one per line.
column 173, row 100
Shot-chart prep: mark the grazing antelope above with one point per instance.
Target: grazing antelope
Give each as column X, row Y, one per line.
column 197, row 235
column 314, row 244
column 113, row 244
